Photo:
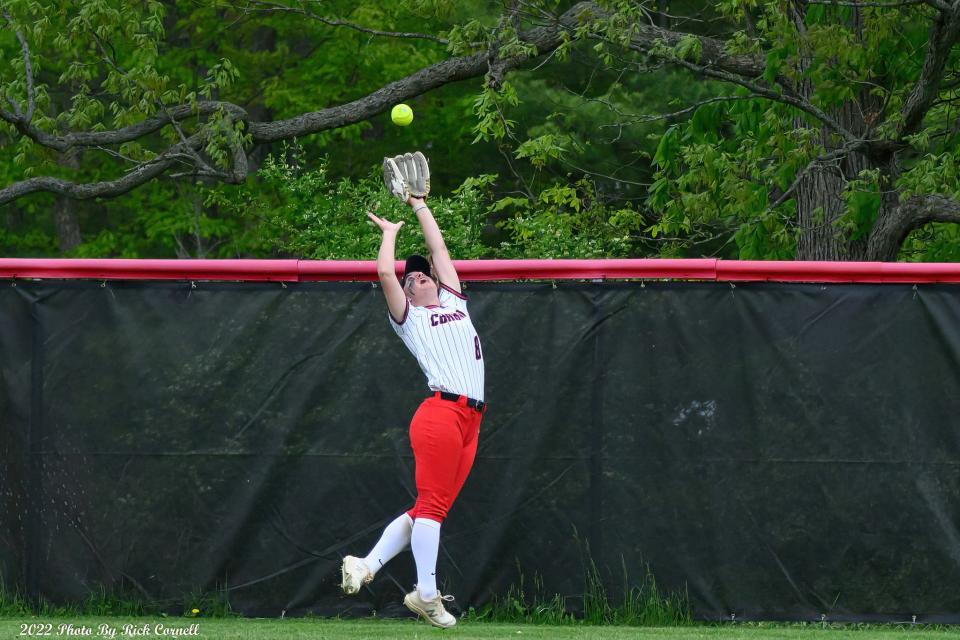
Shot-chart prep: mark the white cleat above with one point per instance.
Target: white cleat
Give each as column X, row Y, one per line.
column 355, row 575
column 431, row 610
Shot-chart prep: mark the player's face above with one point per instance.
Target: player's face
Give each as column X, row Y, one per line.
column 419, row 287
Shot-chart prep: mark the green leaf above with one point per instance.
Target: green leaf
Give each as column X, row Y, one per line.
column 689, row 48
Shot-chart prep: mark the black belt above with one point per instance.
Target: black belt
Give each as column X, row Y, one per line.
column 477, row 405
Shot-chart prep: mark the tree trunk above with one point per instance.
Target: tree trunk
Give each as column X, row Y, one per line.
column 67, row 225
column 65, row 212
column 264, row 39
column 820, row 201
column 891, row 227
column 820, row 193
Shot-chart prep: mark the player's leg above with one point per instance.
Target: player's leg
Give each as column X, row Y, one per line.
column 357, row 572
column 471, row 436
column 425, row 600
column 425, row 544
column 395, row 538
column 436, row 439
column 425, row 541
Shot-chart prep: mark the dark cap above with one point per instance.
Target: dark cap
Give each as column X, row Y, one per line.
column 415, row 263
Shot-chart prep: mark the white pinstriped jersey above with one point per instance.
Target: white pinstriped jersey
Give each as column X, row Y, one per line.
column 445, row 344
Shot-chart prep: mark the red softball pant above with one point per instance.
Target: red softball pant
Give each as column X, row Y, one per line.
column 444, row 436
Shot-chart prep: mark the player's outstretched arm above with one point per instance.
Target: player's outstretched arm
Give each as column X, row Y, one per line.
column 442, row 263
column 392, row 291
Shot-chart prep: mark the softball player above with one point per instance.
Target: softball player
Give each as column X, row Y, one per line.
column 429, row 313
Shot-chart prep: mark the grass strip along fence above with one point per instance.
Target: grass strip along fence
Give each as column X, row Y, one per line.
column 334, row 629
column 638, row 605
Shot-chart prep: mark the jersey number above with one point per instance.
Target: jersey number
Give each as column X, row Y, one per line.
column 476, row 346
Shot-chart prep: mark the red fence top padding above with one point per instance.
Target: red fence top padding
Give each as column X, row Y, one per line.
column 474, row 270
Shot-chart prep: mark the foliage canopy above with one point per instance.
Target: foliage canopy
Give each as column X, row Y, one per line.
column 812, row 129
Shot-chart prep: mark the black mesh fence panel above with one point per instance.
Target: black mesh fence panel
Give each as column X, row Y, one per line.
column 776, row 451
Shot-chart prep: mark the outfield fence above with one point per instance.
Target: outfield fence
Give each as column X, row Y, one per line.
column 775, row 440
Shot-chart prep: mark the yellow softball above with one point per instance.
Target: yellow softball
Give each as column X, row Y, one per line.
column 401, row 115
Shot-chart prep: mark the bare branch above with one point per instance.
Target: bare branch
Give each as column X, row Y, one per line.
column 109, row 58
column 497, row 66
column 144, row 172
column 12, row 118
column 713, row 52
column 199, row 162
column 936, row 4
column 888, row 234
column 126, row 134
column 17, row 114
column 770, row 94
column 28, row 72
column 933, row 208
column 640, row 119
column 118, row 155
column 271, row 7
column 613, row 178
column 944, row 33
column 544, row 39
column 716, row 62
column 108, row 189
column 832, row 156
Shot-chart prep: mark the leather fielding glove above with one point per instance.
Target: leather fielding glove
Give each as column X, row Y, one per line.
column 407, row 175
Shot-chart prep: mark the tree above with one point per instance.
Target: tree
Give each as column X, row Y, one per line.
column 142, row 102
column 843, row 133
column 827, row 132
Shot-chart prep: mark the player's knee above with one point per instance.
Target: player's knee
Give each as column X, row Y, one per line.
column 432, row 509
column 437, row 515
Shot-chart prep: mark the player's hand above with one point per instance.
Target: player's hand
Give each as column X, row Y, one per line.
column 414, row 201
column 385, row 225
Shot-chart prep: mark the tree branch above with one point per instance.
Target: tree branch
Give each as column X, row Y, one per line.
column 28, row 72
column 198, row 161
column 202, row 167
column 544, row 39
column 770, row 94
column 836, row 154
column 933, row 208
column 644, row 118
column 496, row 65
column 936, row 4
column 888, row 234
column 107, row 189
column 943, row 36
column 272, row 7
column 713, row 52
column 126, row 134
column 716, row 62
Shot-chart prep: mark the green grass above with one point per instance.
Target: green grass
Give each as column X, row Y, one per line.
column 638, row 605
column 324, row 629
column 643, row 604
column 103, row 603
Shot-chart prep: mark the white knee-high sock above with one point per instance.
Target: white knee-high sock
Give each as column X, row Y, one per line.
column 425, row 542
column 395, row 539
